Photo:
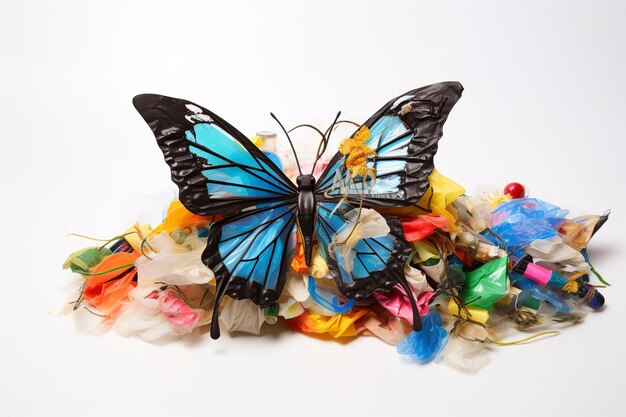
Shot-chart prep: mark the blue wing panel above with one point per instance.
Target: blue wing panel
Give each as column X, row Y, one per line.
column 252, row 251
column 373, row 258
column 389, row 138
column 228, row 161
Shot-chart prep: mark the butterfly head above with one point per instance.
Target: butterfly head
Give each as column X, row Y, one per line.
column 305, row 182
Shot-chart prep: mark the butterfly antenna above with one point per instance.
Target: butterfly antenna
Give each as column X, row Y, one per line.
column 324, row 142
column 289, row 139
column 417, row 319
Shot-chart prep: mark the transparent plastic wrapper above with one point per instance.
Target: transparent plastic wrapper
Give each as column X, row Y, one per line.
column 175, row 264
column 143, row 317
column 554, row 253
column 365, row 223
column 242, row 316
column 391, row 330
column 466, row 355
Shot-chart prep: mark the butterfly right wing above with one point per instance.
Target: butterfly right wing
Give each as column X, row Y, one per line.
column 376, row 259
column 376, row 263
column 403, row 134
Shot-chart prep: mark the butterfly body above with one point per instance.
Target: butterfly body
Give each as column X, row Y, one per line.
column 220, row 171
column 306, row 213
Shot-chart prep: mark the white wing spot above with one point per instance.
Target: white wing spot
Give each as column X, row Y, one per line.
column 197, row 115
column 193, row 108
column 401, row 100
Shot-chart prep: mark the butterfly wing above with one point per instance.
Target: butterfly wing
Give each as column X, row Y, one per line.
column 376, row 262
column 250, row 254
column 217, row 169
column 404, row 134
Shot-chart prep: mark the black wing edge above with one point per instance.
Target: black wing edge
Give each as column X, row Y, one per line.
column 424, row 110
column 236, row 287
column 384, row 279
column 169, row 118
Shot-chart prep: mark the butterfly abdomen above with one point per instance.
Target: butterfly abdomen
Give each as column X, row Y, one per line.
column 306, row 213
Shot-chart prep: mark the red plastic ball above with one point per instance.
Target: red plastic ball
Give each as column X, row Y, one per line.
column 515, row 190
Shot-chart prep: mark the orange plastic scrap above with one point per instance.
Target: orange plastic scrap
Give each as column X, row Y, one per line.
column 108, row 290
column 179, row 217
column 339, row 325
column 422, row 226
column 298, row 263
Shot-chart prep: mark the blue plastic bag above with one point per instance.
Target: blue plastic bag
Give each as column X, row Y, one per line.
column 428, row 342
column 520, row 221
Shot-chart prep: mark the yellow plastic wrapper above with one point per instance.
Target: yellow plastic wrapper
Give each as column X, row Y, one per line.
column 319, row 268
column 476, row 314
column 424, row 251
column 179, row 217
column 136, row 234
column 339, row 325
column 437, row 199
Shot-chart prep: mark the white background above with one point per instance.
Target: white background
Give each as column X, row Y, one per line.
column 543, row 105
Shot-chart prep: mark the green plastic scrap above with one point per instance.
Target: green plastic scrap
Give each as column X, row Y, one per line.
column 272, row 310
column 83, row 260
column 486, row 285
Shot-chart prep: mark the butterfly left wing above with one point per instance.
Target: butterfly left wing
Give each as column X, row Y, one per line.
column 250, row 254
column 217, row 169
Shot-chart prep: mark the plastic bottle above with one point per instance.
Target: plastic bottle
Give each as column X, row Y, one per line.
column 267, row 143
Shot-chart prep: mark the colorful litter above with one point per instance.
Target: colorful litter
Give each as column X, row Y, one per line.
column 379, row 244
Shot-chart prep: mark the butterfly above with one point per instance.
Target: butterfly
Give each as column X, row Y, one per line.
column 218, row 170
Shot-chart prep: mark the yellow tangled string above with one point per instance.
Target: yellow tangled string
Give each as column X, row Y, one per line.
column 572, row 285
column 526, row 339
column 357, row 152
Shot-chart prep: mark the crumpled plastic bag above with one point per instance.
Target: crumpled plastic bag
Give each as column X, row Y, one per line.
column 389, row 329
column 578, row 231
column 466, row 355
column 112, row 282
column 339, row 325
column 428, row 342
column 143, row 317
column 420, row 227
column 556, row 255
column 174, row 264
column 397, row 302
column 242, row 316
column 179, row 217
